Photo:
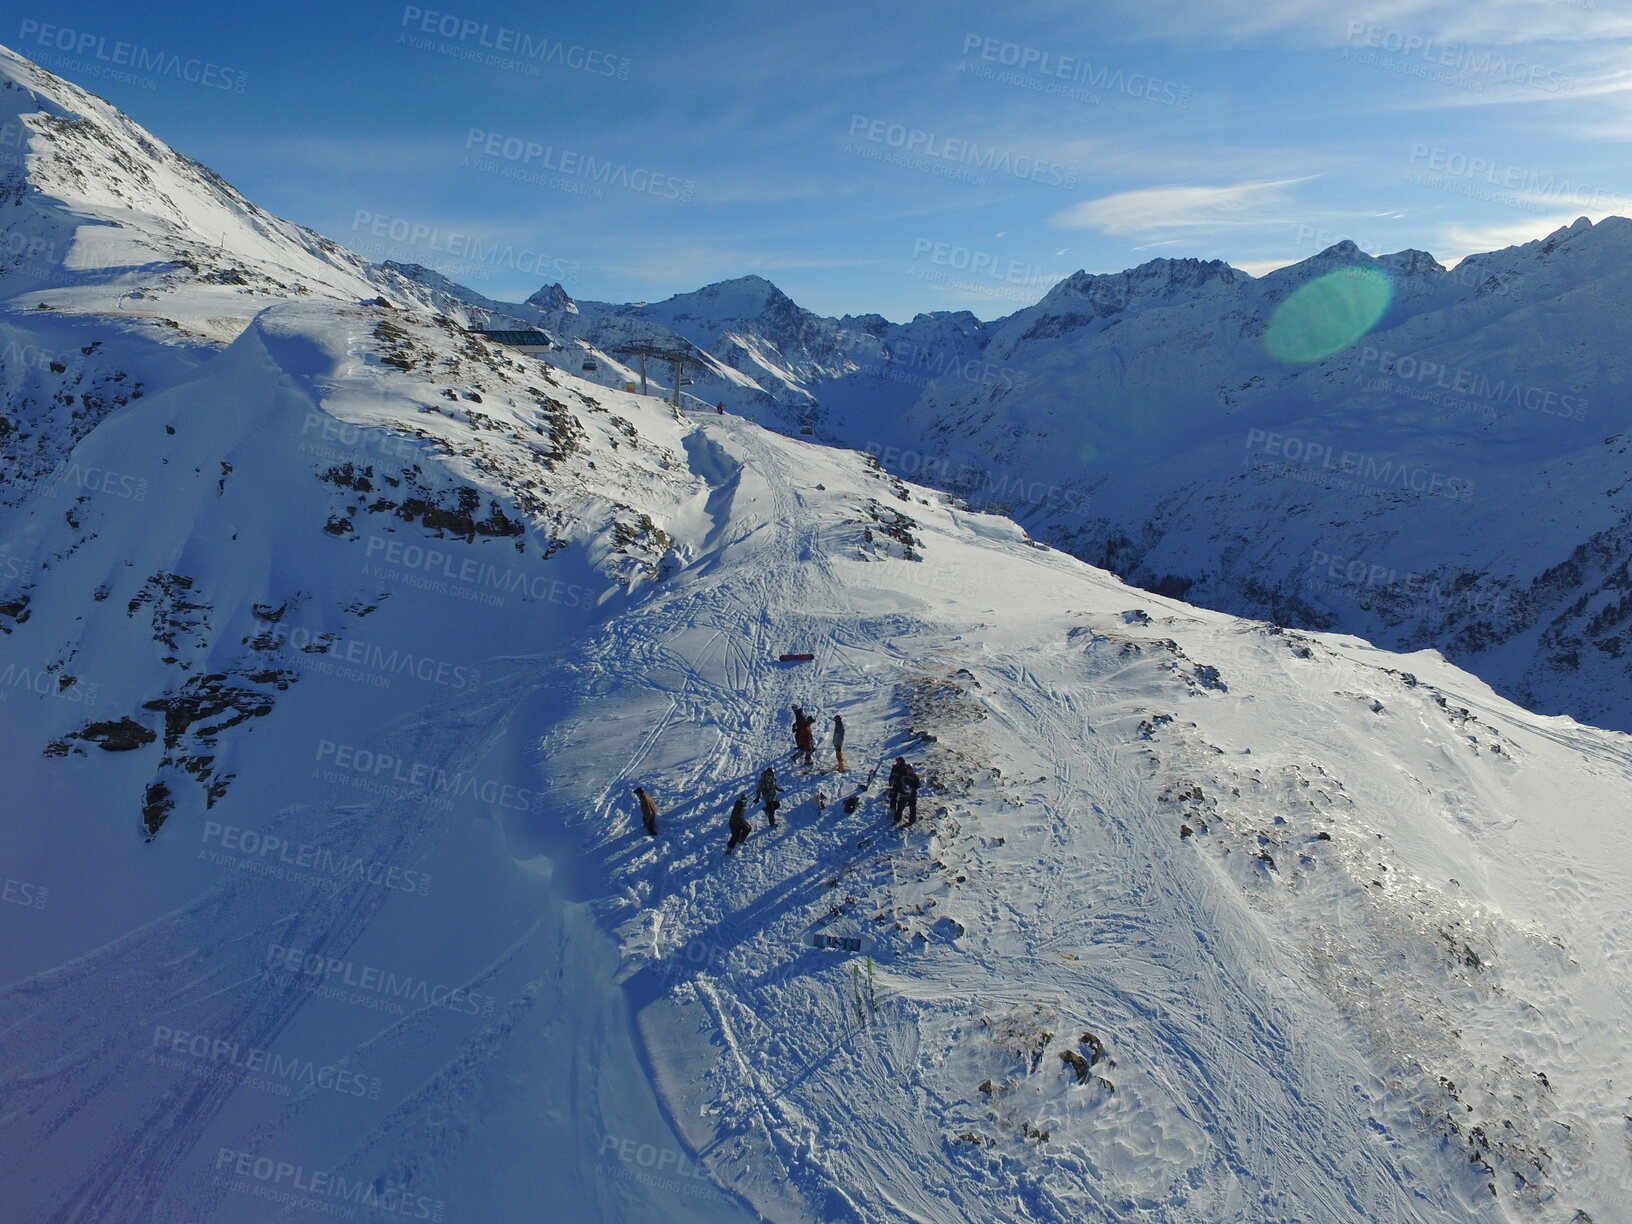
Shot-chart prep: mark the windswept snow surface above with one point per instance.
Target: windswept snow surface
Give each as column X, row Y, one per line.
column 332, row 643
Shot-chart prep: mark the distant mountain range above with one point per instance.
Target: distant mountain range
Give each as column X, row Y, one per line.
column 1454, row 475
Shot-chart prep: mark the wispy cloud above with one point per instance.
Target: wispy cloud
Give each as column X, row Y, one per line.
column 1153, row 209
column 1321, row 23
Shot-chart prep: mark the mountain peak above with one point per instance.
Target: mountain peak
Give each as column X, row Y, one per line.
column 553, row 297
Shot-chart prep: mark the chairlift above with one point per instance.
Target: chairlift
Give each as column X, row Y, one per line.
column 591, row 367
column 807, row 430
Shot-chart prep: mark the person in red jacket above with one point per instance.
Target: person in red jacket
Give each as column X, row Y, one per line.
column 648, row 810
column 805, row 739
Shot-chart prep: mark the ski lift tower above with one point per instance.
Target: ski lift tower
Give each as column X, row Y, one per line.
column 679, row 362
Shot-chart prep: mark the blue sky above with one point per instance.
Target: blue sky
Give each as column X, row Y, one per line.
column 876, row 156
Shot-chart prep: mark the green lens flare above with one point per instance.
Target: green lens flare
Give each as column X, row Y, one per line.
column 1329, row 313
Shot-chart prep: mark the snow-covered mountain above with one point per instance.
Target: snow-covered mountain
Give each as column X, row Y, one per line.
column 1452, row 476
column 328, row 663
column 1456, row 476
column 754, row 350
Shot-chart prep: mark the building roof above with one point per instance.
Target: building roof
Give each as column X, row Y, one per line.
column 515, row 338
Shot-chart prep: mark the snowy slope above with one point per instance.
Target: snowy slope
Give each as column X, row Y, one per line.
column 328, row 663
column 1301, row 1014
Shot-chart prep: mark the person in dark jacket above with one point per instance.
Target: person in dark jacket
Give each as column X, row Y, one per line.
column 838, row 742
column 893, row 792
column 740, row 828
column 648, row 810
column 910, row 782
column 768, row 794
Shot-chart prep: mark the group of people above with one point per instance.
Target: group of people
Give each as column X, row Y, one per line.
column 804, row 739
column 902, row 796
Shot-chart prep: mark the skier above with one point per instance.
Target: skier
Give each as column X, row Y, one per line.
column 720, row 408
column 768, row 792
column 805, row 738
column 798, row 722
column 740, row 828
column 648, row 810
column 838, row 742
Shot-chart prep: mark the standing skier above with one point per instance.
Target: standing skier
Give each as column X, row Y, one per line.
column 740, row 828
column 838, row 742
column 768, row 793
column 648, row 810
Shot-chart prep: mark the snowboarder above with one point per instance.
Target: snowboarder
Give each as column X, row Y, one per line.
column 838, row 742
column 740, row 828
column 648, row 810
column 768, row 792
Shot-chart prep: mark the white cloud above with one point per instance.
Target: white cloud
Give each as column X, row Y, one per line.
column 1258, row 267
column 1456, row 241
column 1151, row 209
